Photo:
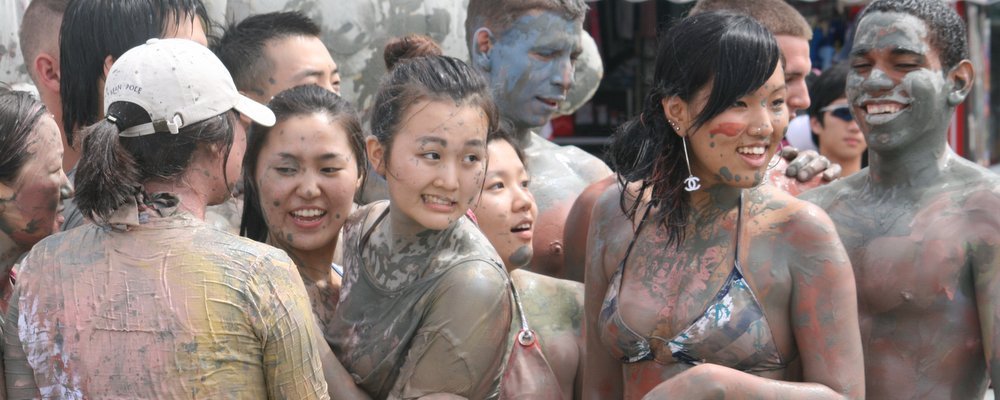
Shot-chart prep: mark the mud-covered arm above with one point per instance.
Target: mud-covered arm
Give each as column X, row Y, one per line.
column 577, row 229
column 19, row 377
column 292, row 339
column 602, row 377
column 985, row 257
column 461, row 345
column 824, row 321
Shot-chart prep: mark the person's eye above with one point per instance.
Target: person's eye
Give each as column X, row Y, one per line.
column 431, row 156
column 330, row 170
column 472, row 158
column 525, row 183
column 495, row 186
column 285, row 170
column 777, row 103
column 740, row 104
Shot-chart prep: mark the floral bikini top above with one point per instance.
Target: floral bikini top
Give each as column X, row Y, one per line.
column 732, row 332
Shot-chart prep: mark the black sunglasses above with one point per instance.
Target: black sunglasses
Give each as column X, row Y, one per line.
column 842, row 111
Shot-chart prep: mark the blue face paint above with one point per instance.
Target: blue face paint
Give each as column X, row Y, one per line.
column 531, row 67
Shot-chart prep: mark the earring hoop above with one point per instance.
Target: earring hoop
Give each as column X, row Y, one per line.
column 692, row 182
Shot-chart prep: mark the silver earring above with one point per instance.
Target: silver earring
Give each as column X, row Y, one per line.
column 692, row 182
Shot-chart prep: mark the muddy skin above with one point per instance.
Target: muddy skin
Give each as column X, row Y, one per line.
column 74, row 301
column 789, row 254
column 920, row 224
column 785, row 244
column 413, row 305
column 529, row 61
column 554, row 308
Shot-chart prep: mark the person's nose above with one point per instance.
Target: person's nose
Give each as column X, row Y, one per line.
column 563, row 74
column 308, row 187
column 447, row 177
column 523, row 199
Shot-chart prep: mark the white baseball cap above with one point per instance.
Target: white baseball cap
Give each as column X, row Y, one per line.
column 178, row 82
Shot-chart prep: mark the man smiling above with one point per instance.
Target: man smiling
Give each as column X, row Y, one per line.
column 920, row 224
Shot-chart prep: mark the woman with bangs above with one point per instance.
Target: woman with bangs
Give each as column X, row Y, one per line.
column 725, row 287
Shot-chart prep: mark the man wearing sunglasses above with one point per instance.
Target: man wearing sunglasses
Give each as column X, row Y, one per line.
column 834, row 130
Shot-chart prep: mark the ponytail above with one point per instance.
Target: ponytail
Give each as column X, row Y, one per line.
column 108, row 175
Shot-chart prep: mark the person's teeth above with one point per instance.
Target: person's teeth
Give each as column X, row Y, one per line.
column 754, row 150
column 437, row 200
column 884, row 108
column 310, row 213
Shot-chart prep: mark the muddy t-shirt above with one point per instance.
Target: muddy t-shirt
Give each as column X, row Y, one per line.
column 442, row 329
column 169, row 308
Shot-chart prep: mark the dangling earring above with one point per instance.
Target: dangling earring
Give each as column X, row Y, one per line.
column 692, row 182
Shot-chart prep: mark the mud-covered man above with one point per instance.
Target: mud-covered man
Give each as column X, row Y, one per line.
column 921, row 223
column 527, row 49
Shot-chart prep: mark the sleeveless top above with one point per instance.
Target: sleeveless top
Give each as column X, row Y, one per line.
column 732, row 331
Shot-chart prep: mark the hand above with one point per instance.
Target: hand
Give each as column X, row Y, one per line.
column 805, row 165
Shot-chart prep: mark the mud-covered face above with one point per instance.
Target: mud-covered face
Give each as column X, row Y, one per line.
column 896, row 87
column 838, row 132
column 30, row 205
column 436, row 163
column 306, row 179
column 506, row 210
column 531, row 66
column 296, row 61
column 734, row 147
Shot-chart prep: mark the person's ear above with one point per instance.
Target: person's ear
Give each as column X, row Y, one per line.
column 482, row 43
column 816, row 125
column 961, row 78
column 6, row 192
column 375, row 153
column 676, row 111
column 108, row 62
column 46, row 71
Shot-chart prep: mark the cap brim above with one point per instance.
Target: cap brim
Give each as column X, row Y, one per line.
column 259, row 113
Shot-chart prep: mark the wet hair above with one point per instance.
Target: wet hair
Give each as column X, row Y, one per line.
column 19, row 114
column 36, row 33
column 731, row 53
column 945, row 26
column 410, row 46
column 827, row 87
column 776, row 15
column 499, row 15
column 297, row 101
column 115, row 168
column 92, row 30
column 242, row 46
column 505, row 132
column 434, row 78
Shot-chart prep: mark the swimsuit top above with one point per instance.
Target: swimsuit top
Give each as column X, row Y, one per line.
column 732, row 332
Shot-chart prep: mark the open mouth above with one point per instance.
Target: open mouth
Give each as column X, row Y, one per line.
column 523, row 229
column 438, row 203
column 308, row 215
column 877, row 113
column 551, row 103
column 753, row 154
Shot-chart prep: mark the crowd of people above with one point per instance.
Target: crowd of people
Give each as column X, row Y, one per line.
column 191, row 216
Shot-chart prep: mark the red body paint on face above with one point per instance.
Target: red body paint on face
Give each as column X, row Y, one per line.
column 728, row 129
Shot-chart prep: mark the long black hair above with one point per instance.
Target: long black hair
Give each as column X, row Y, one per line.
column 731, row 52
column 300, row 100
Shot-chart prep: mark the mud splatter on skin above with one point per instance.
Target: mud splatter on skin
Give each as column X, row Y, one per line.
column 920, row 225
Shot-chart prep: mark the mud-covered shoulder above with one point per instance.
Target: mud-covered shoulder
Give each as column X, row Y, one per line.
column 556, row 303
column 828, row 194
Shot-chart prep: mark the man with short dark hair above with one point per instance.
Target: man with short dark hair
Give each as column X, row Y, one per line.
column 834, row 129
column 268, row 53
column 920, row 224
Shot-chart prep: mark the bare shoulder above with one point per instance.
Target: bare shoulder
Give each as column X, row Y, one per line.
column 556, row 304
column 796, row 219
column 581, row 163
column 828, row 194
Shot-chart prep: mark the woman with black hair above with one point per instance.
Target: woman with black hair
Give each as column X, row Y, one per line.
column 727, row 287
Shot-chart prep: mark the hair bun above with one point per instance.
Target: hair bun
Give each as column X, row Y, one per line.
column 408, row 47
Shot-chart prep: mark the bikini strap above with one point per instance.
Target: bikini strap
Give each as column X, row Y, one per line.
column 526, row 336
column 635, row 235
column 739, row 227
